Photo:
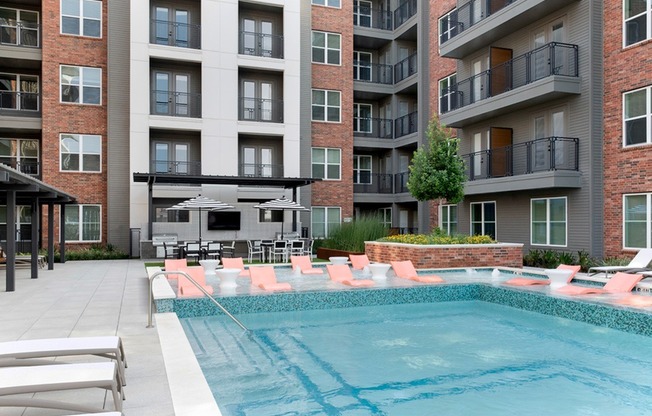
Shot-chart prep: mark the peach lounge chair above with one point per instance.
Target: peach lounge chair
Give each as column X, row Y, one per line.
column 235, row 263
column 341, row 273
column 172, row 265
column 265, row 278
column 405, row 270
column 187, row 288
column 359, row 261
column 619, row 283
column 304, row 264
column 523, row 281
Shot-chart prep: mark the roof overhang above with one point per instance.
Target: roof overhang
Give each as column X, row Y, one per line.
column 168, row 179
column 28, row 188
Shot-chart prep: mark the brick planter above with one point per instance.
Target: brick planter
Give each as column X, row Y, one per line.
column 444, row 256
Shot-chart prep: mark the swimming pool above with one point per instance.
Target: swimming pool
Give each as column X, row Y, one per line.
column 455, row 358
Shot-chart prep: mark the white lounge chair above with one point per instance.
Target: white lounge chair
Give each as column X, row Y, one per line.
column 42, row 378
column 13, row 353
column 638, row 263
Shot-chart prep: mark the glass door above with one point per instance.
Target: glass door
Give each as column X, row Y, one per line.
column 361, row 66
column 172, row 27
column 362, row 118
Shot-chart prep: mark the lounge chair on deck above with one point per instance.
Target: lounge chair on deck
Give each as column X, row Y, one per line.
column 304, row 264
column 405, row 270
column 619, row 283
column 57, row 377
column 638, row 263
column 265, row 278
column 23, row 352
column 523, row 281
column 235, row 263
column 341, row 273
column 174, row 265
column 187, row 288
column 359, row 261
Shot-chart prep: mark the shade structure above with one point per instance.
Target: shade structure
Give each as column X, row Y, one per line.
column 201, row 203
column 281, row 204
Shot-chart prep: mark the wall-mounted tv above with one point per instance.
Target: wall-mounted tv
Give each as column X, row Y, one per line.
column 223, row 220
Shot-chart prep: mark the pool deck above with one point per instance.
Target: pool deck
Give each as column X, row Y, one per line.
column 89, row 298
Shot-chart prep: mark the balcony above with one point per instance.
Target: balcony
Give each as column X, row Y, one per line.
column 538, row 164
column 180, row 35
column 375, row 128
column 405, row 68
column 261, row 44
column 20, row 33
column 406, row 125
column 400, row 182
column 479, row 23
column 173, row 167
column 375, row 183
column 364, row 16
column 176, row 104
column 27, row 166
column 545, row 73
column 373, row 73
column 259, row 109
column 404, row 12
column 19, row 103
column 260, row 170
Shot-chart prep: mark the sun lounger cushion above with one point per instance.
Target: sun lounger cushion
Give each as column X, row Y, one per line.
column 304, row 264
column 235, row 263
column 187, row 288
column 265, row 278
column 619, row 283
column 405, row 270
column 341, row 273
column 359, row 261
column 173, row 265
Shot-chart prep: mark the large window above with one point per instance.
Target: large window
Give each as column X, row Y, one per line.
column 637, row 221
column 19, row 27
column 20, row 154
column 637, row 21
column 83, row 223
column 483, row 219
column 448, row 219
column 637, row 117
column 23, row 217
column 447, row 26
column 80, row 84
column 447, row 98
column 81, row 152
column 326, row 105
column 325, row 220
column 326, row 48
column 19, row 92
column 81, row 17
column 326, row 163
column 362, row 169
column 548, row 226
column 328, row 3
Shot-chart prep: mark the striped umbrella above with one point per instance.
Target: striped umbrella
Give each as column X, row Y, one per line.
column 281, row 204
column 200, row 203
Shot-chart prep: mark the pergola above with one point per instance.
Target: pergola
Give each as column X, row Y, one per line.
column 17, row 188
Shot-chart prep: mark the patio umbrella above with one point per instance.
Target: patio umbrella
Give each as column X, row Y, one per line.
column 200, row 203
column 281, row 204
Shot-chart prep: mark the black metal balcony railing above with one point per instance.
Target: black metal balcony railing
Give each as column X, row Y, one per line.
column 176, row 104
column 258, row 109
column 379, row 128
column 364, row 16
column 26, row 166
column 261, row 44
column 261, row 170
column 405, row 68
column 551, row 59
column 181, row 35
column 20, row 33
column 404, row 11
column 468, row 15
column 174, row 167
column 19, row 101
column 374, row 183
column 400, row 182
column 406, row 125
column 375, row 73
column 550, row 153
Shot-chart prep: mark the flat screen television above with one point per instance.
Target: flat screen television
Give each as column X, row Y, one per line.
column 223, row 220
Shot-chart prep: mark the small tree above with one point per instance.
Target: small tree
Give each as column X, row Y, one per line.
column 436, row 170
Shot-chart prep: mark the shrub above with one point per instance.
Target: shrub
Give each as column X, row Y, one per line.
column 350, row 236
column 94, row 252
column 438, row 237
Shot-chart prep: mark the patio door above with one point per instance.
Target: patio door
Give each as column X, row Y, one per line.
column 257, row 100
column 257, row 37
column 361, row 118
column 361, row 66
column 500, row 142
column 477, row 81
column 257, row 161
column 501, row 72
column 171, row 158
column 172, row 93
column 172, row 26
column 362, row 13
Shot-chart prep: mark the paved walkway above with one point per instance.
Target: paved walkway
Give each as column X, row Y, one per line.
column 87, row 298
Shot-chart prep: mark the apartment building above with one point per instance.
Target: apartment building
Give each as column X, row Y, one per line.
column 526, row 99
column 53, row 109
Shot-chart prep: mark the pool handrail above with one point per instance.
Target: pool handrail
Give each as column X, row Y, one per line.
column 165, row 273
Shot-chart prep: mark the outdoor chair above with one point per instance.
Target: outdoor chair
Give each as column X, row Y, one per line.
column 280, row 249
column 296, row 248
column 341, row 273
column 405, row 270
column 193, row 251
column 638, row 263
column 214, row 250
column 255, row 249
column 264, row 277
column 228, row 251
column 171, row 251
column 524, row 281
column 187, row 288
column 619, row 283
column 236, row 263
column 304, row 265
column 173, row 265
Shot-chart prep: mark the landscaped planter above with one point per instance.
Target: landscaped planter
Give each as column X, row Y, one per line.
column 325, row 253
column 449, row 255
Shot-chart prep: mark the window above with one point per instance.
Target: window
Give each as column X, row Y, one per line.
column 362, row 117
column 326, row 163
column 325, row 220
column 265, row 215
column 637, row 221
column 81, row 17
column 483, row 219
column 163, row 214
column 637, row 17
column 326, row 48
column 23, row 217
column 20, row 154
column 447, row 26
column 448, row 219
column 81, row 152
column 362, row 13
column 83, row 223
column 362, row 169
column 327, row 3
column 81, row 85
column 637, row 117
column 386, row 216
column 548, row 226
column 447, row 96
column 19, row 27
column 326, row 106
column 19, row 92
column 361, row 66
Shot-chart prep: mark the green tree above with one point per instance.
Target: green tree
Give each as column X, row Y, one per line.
column 437, row 170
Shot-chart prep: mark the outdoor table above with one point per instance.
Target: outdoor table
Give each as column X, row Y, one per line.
column 227, row 278
column 558, row 277
column 338, row 260
column 209, row 266
column 378, row 270
column 267, row 246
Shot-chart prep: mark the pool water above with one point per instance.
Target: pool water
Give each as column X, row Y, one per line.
column 450, row 358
